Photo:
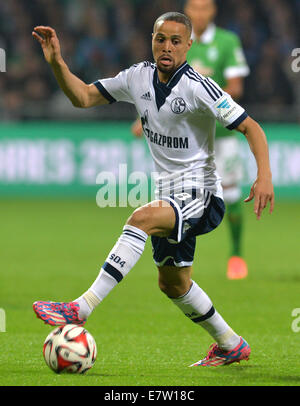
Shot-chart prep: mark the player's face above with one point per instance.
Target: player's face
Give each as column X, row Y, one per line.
column 170, row 44
column 201, row 13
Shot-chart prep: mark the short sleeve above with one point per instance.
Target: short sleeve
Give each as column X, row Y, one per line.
column 235, row 63
column 228, row 113
column 117, row 88
column 211, row 99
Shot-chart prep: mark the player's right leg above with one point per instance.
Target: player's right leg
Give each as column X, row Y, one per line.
column 174, row 259
column 185, row 293
column 155, row 218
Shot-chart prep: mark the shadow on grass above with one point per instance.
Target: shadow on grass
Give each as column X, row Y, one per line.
column 255, row 374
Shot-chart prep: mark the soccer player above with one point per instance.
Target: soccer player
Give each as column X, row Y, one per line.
column 179, row 108
column 217, row 53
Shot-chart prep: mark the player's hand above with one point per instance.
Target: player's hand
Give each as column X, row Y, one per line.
column 137, row 128
column 262, row 191
column 47, row 37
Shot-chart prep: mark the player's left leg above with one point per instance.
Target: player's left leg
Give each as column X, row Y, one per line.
column 156, row 218
column 185, row 293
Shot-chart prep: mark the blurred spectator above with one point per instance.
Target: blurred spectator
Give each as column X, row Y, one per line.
column 100, row 37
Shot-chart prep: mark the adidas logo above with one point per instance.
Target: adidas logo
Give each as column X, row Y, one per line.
column 146, row 96
column 224, row 105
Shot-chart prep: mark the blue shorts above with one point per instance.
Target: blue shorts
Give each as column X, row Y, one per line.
column 196, row 214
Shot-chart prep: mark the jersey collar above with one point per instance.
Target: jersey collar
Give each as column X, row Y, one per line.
column 208, row 35
column 163, row 90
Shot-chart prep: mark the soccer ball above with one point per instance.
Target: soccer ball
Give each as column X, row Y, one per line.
column 70, row 348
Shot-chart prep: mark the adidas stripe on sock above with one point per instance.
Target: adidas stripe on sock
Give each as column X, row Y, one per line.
column 197, row 306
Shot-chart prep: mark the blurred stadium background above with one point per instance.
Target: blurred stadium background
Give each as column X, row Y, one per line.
column 40, row 154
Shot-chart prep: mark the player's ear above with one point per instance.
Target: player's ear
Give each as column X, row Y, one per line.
column 189, row 44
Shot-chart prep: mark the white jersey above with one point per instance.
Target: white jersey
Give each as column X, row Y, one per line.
column 178, row 120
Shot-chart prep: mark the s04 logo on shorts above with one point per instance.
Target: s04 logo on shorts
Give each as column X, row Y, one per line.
column 118, row 260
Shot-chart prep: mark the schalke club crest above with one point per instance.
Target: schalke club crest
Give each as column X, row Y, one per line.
column 178, row 105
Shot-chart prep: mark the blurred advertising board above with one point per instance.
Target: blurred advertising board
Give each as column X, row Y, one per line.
column 65, row 159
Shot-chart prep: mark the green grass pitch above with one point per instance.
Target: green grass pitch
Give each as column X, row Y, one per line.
column 53, row 249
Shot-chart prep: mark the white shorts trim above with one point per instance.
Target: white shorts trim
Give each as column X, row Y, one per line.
column 172, row 202
column 177, row 264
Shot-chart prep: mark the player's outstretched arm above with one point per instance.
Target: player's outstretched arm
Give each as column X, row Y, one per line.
column 80, row 94
column 262, row 189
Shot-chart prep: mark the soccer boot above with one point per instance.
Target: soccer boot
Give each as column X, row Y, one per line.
column 237, row 268
column 216, row 356
column 58, row 313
